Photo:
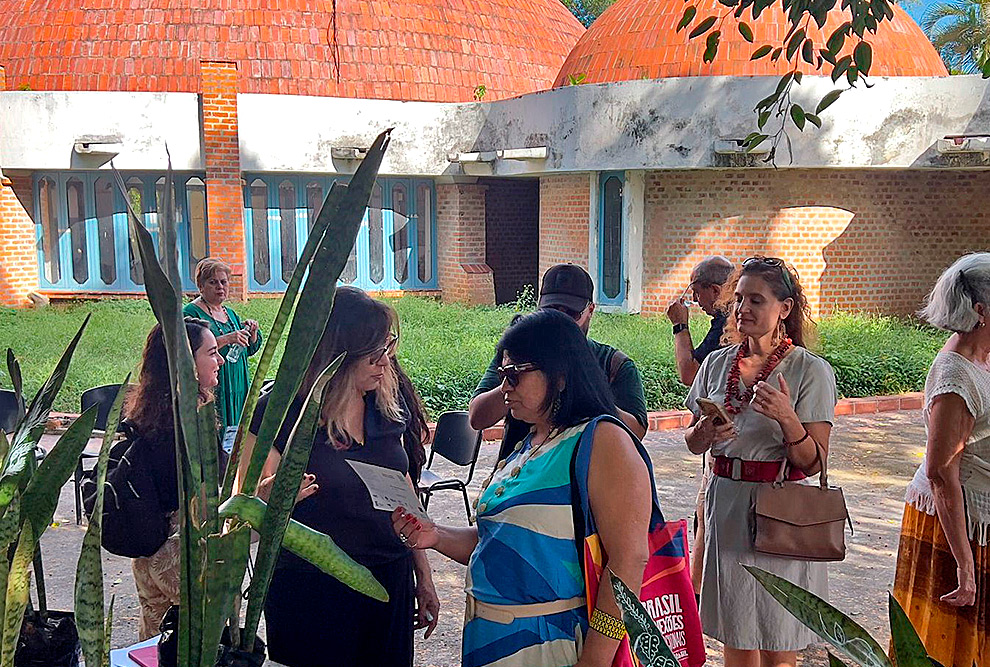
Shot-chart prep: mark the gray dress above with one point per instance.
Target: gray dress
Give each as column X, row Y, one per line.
column 735, row 609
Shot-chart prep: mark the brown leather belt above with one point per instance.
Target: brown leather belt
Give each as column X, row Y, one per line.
column 506, row 613
column 752, row 471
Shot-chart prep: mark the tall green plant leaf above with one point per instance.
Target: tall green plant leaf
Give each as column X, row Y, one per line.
column 313, row 546
column 282, row 499
column 41, row 495
column 9, row 527
column 32, row 426
column 909, row 650
column 644, row 636
column 18, row 590
column 316, row 301
column 89, row 567
column 222, row 584
column 844, row 634
column 16, row 382
column 108, row 632
column 835, row 662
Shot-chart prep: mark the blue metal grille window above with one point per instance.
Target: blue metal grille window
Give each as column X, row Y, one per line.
column 82, row 231
column 395, row 247
column 611, row 267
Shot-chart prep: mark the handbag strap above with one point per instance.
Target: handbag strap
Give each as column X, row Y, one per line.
column 820, row 456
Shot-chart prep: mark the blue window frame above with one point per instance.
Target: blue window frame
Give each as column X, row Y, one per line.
column 81, row 227
column 611, row 239
column 395, row 247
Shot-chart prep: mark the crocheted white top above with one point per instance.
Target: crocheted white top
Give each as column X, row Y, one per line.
column 952, row 373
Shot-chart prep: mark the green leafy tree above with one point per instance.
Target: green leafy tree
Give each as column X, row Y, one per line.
column 960, row 30
column 587, row 11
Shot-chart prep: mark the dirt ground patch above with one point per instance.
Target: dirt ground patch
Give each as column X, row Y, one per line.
column 873, row 458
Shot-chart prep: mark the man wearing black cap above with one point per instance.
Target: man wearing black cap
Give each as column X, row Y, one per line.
column 569, row 289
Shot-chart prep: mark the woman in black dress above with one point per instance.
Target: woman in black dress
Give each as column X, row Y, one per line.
column 370, row 414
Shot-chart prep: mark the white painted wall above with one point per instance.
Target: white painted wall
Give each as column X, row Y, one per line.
column 633, row 125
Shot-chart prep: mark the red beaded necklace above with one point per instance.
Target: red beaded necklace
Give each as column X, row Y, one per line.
column 734, row 401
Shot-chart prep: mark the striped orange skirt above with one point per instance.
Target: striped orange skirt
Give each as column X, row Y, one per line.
column 926, row 570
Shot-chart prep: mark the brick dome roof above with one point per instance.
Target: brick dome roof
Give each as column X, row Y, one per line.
column 637, row 39
column 437, row 50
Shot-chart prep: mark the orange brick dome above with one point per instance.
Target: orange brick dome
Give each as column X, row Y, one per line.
column 637, row 39
column 436, row 50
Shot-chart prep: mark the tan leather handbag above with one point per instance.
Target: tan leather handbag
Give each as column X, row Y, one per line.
column 801, row 521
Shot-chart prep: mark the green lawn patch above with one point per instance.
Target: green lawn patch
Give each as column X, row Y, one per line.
column 446, row 347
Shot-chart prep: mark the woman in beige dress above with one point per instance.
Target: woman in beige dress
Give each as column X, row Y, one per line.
column 782, row 401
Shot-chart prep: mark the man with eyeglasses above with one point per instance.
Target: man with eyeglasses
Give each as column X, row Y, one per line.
column 569, row 289
column 706, row 283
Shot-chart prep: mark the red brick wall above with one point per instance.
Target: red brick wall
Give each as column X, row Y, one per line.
column 564, row 205
column 512, row 235
column 18, row 247
column 221, row 152
column 861, row 240
column 463, row 274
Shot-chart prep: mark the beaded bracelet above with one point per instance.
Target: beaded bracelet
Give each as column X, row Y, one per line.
column 607, row 625
column 804, row 437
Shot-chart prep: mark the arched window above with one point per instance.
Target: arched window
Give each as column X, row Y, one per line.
column 75, row 207
column 314, row 201
column 103, row 195
column 198, row 231
column 259, row 231
column 287, row 227
column 51, row 229
column 376, row 236
column 135, row 197
column 611, row 239
column 400, row 232
column 424, row 232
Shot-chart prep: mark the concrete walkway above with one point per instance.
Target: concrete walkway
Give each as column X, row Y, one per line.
column 873, row 457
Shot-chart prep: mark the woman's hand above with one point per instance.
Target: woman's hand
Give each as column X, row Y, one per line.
column 238, row 337
column 773, row 403
column 252, row 330
column 427, row 607
column 416, row 534
column 965, row 593
column 307, row 487
column 705, row 433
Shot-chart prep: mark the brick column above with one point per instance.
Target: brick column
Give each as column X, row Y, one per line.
column 463, row 274
column 18, row 251
column 565, row 202
column 221, row 154
column 3, row 78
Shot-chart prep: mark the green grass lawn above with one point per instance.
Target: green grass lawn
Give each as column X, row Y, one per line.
column 445, row 348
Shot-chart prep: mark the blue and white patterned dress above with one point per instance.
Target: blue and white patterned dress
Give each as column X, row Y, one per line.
column 527, row 554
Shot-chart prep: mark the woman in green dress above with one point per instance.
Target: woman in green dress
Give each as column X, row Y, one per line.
column 237, row 339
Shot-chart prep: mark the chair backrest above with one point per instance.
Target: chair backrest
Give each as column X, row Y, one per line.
column 8, row 411
column 455, row 440
column 104, row 397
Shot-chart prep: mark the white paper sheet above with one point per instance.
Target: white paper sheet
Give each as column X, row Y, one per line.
column 388, row 488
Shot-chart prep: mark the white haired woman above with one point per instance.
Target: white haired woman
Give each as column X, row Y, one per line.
column 943, row 565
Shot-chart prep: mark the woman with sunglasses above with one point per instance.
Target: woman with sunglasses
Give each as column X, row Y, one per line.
column 525, row 589
column 781, row 398
column 370, row 414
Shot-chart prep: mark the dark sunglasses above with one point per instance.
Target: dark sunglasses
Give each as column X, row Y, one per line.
column 774, row 262
column 512, row 372
column 573, row 314
column 391, row 343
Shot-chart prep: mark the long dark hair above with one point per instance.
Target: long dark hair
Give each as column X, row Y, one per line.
column 784, row 283
column 148, row 407
column 556, row 346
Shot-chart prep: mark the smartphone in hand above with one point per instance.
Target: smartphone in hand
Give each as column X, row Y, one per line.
column 716, row 411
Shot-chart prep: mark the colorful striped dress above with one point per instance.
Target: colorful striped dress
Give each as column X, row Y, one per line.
column 526, row 555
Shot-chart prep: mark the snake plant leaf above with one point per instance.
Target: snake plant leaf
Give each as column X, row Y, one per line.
column 222, row 584
column 107, row 633
column 285, row 307
column 282, row 498
column 909, row 650
column 16, row 381
column 316, row 301
column 835, row 662
column 15, row 473
column 644, row 636
column 89, row 567
column 9, row 527
column 844, row 634
column 313, row 546
column 41, row 495
column 18, row 590
column 4, row 446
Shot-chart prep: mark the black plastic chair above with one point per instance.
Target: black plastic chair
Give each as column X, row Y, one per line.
column 8, row 411
column 103, row 397
column 460, row 444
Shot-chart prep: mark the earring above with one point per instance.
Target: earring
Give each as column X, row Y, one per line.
column 780, row 334
column 554, row 410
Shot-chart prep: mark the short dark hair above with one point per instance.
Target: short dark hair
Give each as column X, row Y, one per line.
column 557, row 346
